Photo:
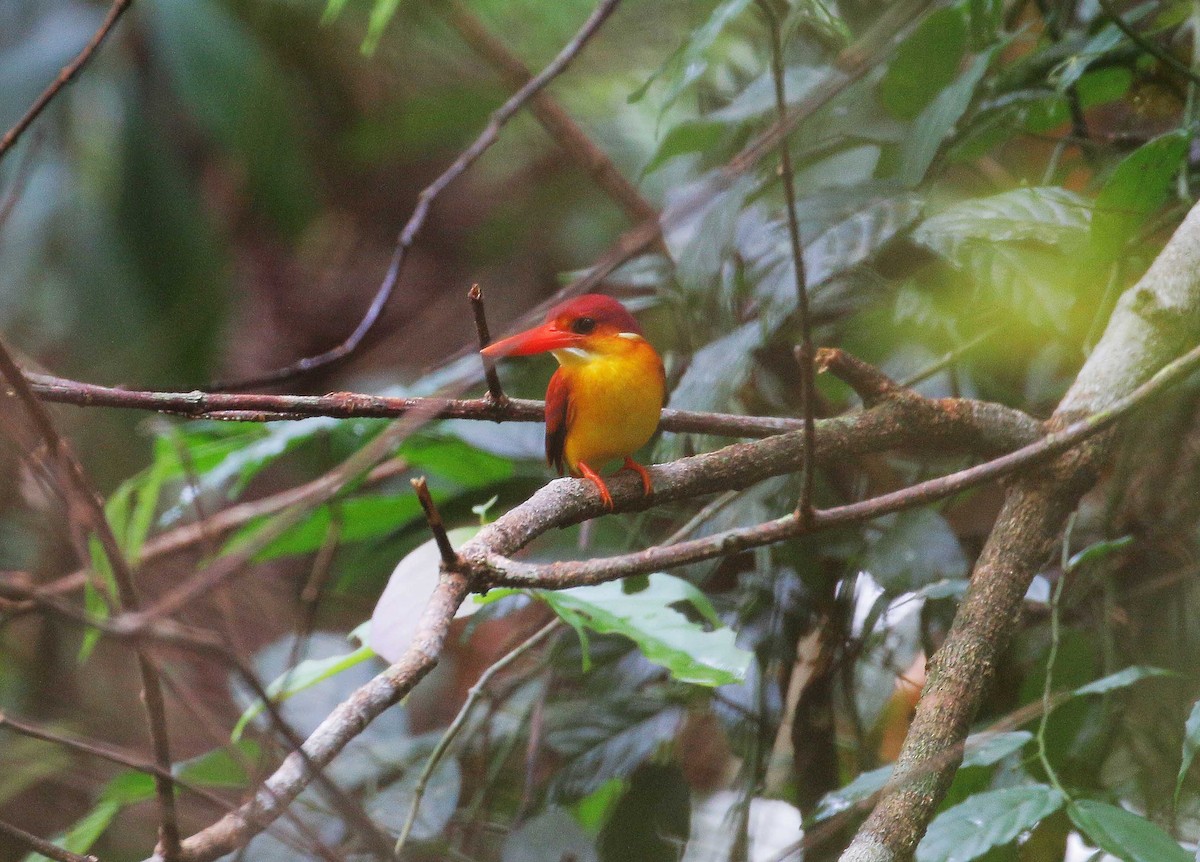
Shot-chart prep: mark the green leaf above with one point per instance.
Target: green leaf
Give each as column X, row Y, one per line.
column 80, row 837
column 361, row 518
column 987, row 820
column 1124, row 834
column 663, row 634
column 333, row 8
column 456, row 461
column 592, row 811
column 1122, row 679
column 1043, row 214
column 862, row 787
column 1191, row 743
column 1137, row 188
column 917, row 548
column 303, row 676
column 1021, row 245
column 551, row 836
column 924, row 63
column 381, row 16
column 1097, row 552
column 937, row 121
column 690, row 61
column 610, row 740
column 985, row 749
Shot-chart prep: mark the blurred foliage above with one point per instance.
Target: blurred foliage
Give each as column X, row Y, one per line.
column 219, row 192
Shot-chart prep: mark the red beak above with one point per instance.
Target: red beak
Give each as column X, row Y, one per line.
column 540, row 339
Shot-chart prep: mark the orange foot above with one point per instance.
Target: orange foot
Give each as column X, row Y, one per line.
column 630, row 464
column 594, row 477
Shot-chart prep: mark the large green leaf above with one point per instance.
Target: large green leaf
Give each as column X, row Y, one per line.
column 369, row 516
column 1021, row 246
column 602, row 741
column 924, row 63
column 665, row 635
column 1124, row 834
column 917, row 548
column 987, row 820
column 1139, row 185
column 939, row 118
column 1043, row 214
column 551, row 836
column 1122, row 678
column 303, row 676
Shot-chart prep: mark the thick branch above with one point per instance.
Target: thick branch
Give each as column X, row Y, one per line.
column 1152, row 323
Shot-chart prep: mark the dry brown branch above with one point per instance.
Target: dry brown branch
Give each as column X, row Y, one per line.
column 1154, row 322
column 992, row 427
column 65, row 76
column 558, row 124
column 44, row 447
column 40, row 845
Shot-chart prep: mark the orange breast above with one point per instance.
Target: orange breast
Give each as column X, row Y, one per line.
column 614, row 404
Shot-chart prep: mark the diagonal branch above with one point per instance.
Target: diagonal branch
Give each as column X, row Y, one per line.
column 416, row 221
column 65, row 76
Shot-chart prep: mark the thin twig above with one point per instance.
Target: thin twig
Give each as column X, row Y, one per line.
column 434, row 518
column 1147, row 45
column 554, row 119
column 429, row 194
column 788, row 181
column 42, row 846
column 473, row 695
column 77, row 488
column 485, row 338
column 107, row 752
column 65, row 76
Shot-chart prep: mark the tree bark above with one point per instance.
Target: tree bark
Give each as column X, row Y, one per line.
column 1154, row 322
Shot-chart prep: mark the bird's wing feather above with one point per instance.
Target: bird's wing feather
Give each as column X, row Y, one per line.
column 557, row 405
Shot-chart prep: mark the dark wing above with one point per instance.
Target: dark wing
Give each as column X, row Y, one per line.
column 557, row 397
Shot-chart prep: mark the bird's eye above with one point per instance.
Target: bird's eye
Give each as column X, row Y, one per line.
column 583, row 325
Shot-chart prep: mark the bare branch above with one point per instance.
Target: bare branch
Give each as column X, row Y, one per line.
column 485, row 338
column 73, row 483
column 787, row 180
column 434, row 518
column 429, row 194
column 1003, row 428
column 40, row 845
column 558, row 124
column 65, row 76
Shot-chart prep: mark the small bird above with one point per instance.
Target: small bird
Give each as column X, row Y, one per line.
column 605, row 399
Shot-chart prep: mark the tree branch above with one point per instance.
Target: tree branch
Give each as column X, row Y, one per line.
column 429, row 194
column 65, row 76
column 1155, row 320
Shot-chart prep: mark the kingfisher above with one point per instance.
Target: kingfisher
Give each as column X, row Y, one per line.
column 605, row 399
